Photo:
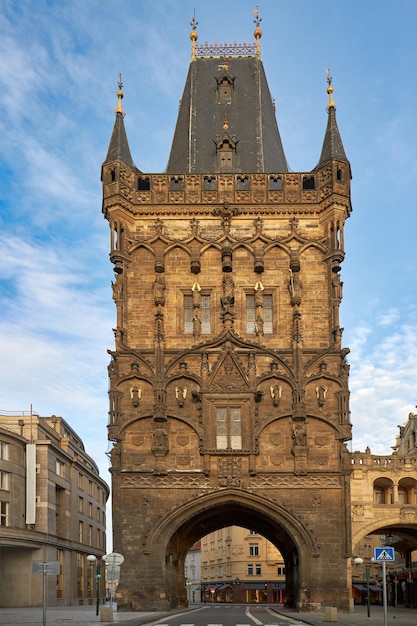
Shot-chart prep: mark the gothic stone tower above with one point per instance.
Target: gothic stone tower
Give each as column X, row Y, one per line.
column 229, row 400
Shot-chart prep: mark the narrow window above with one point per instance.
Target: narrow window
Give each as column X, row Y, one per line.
column 81, row 532
column 4, row 480
column 339, row 174
column 199, row 316
column 250, row 570
column 4, row 510
column 252, row 316
column 258, row 569
column 228, row 428
column 4, row 451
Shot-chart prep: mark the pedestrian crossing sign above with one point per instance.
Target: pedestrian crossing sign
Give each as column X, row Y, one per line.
column 384, row 554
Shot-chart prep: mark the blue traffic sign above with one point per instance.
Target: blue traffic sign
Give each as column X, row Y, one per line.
column 384, row 554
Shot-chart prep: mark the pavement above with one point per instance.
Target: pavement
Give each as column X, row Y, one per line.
column 86, row 616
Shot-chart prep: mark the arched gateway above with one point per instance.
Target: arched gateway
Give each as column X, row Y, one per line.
column 229, row 400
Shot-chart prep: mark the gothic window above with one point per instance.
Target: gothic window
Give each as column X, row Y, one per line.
column 228, row 428
column 209, row 183
column 252, row 324
column 225, row 154
column 275, row 182
column 144, row 183
column 339, row 174
column 309, row 182
column 176, row 183
column 225, row 90
column 242, row 183
column 197, row 316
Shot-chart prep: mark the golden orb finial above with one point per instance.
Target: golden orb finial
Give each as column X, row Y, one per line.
column 330, row 90
column 119, row 108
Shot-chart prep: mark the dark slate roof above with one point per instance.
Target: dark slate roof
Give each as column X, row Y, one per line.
column 332, row 144
column 250, row 118
column 119, row 146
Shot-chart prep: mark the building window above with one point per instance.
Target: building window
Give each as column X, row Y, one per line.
column 253, row 549
column 281, row 571
column 80, row 481
column 81, row 532
column 197, row 318
column 260, row 321
column 309, row 182
column 90, row 535
column 258, row 569
column 60, row 468
column 4, row 451
column 228, row 428
column 90, row 488
column 80, row 504
column 4, row 480
column 250, row 570
column 80, row 575
column 90, row 509
column 4, row 513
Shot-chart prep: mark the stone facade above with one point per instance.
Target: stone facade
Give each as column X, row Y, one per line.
column 229, row 390
column 52, row 504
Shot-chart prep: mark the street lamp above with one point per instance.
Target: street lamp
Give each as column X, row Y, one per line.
column 188, row 584
column 359, row 561
column 93, row 559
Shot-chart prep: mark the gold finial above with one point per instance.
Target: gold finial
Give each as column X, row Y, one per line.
column 225, row 123
column 258, row 32
column 119, row 108
column 193, row 34
column 330, row 90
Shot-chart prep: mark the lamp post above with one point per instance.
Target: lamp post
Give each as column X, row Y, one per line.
column 188, row 585
column 359, row 561
column 93, row 559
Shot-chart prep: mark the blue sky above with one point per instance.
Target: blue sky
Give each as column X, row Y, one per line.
column 59, row 64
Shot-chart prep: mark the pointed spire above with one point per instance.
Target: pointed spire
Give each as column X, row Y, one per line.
column 332, row 144
column 119, row 147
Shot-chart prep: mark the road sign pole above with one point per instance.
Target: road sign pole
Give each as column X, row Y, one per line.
column 384, row 590
column 45, row 567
